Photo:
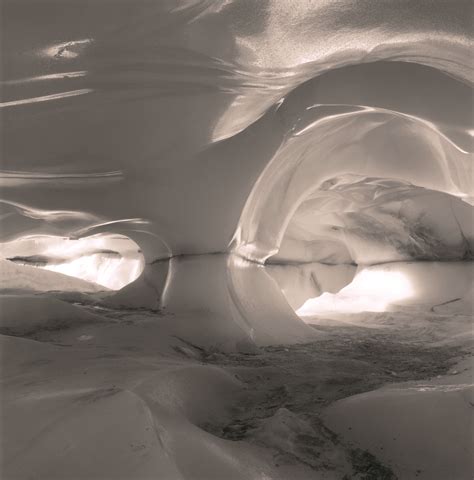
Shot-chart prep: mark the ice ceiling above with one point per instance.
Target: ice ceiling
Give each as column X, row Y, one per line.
column 285, row 132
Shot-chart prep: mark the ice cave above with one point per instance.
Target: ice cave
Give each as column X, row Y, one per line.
column 236, row 240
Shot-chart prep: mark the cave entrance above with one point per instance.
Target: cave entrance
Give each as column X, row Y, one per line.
column 104, row 261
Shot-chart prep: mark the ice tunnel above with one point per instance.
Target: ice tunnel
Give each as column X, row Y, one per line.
column 236, row 239
column 318, row 155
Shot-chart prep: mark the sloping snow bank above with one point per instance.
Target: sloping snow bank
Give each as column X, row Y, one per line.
column 104, row 413
column 423, row 430
column 25, row 277
column 26, row 315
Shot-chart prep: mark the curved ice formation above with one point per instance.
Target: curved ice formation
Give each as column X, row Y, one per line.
column 353, row 219
column 334, row 132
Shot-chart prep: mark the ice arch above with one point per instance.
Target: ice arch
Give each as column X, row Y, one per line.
column 102, row 262
column 421, row 139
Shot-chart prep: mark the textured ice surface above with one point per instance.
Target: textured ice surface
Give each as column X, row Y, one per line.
column 371, row 220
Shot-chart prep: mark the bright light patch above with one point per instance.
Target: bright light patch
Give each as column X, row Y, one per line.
column 370, row 291
column 113, row 273
column 112, row 261
column 67, row 50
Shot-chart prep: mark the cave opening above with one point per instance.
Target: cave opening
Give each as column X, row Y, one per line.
column 101, row 262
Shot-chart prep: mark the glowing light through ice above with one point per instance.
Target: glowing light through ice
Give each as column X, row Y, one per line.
column 112, row 261
column 370, row 291
column 113, row 273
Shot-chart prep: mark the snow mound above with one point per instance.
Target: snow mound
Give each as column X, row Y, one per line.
column 24, row 315
column 423, row 430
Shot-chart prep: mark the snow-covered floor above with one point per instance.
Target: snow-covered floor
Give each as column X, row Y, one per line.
column 137, row 394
